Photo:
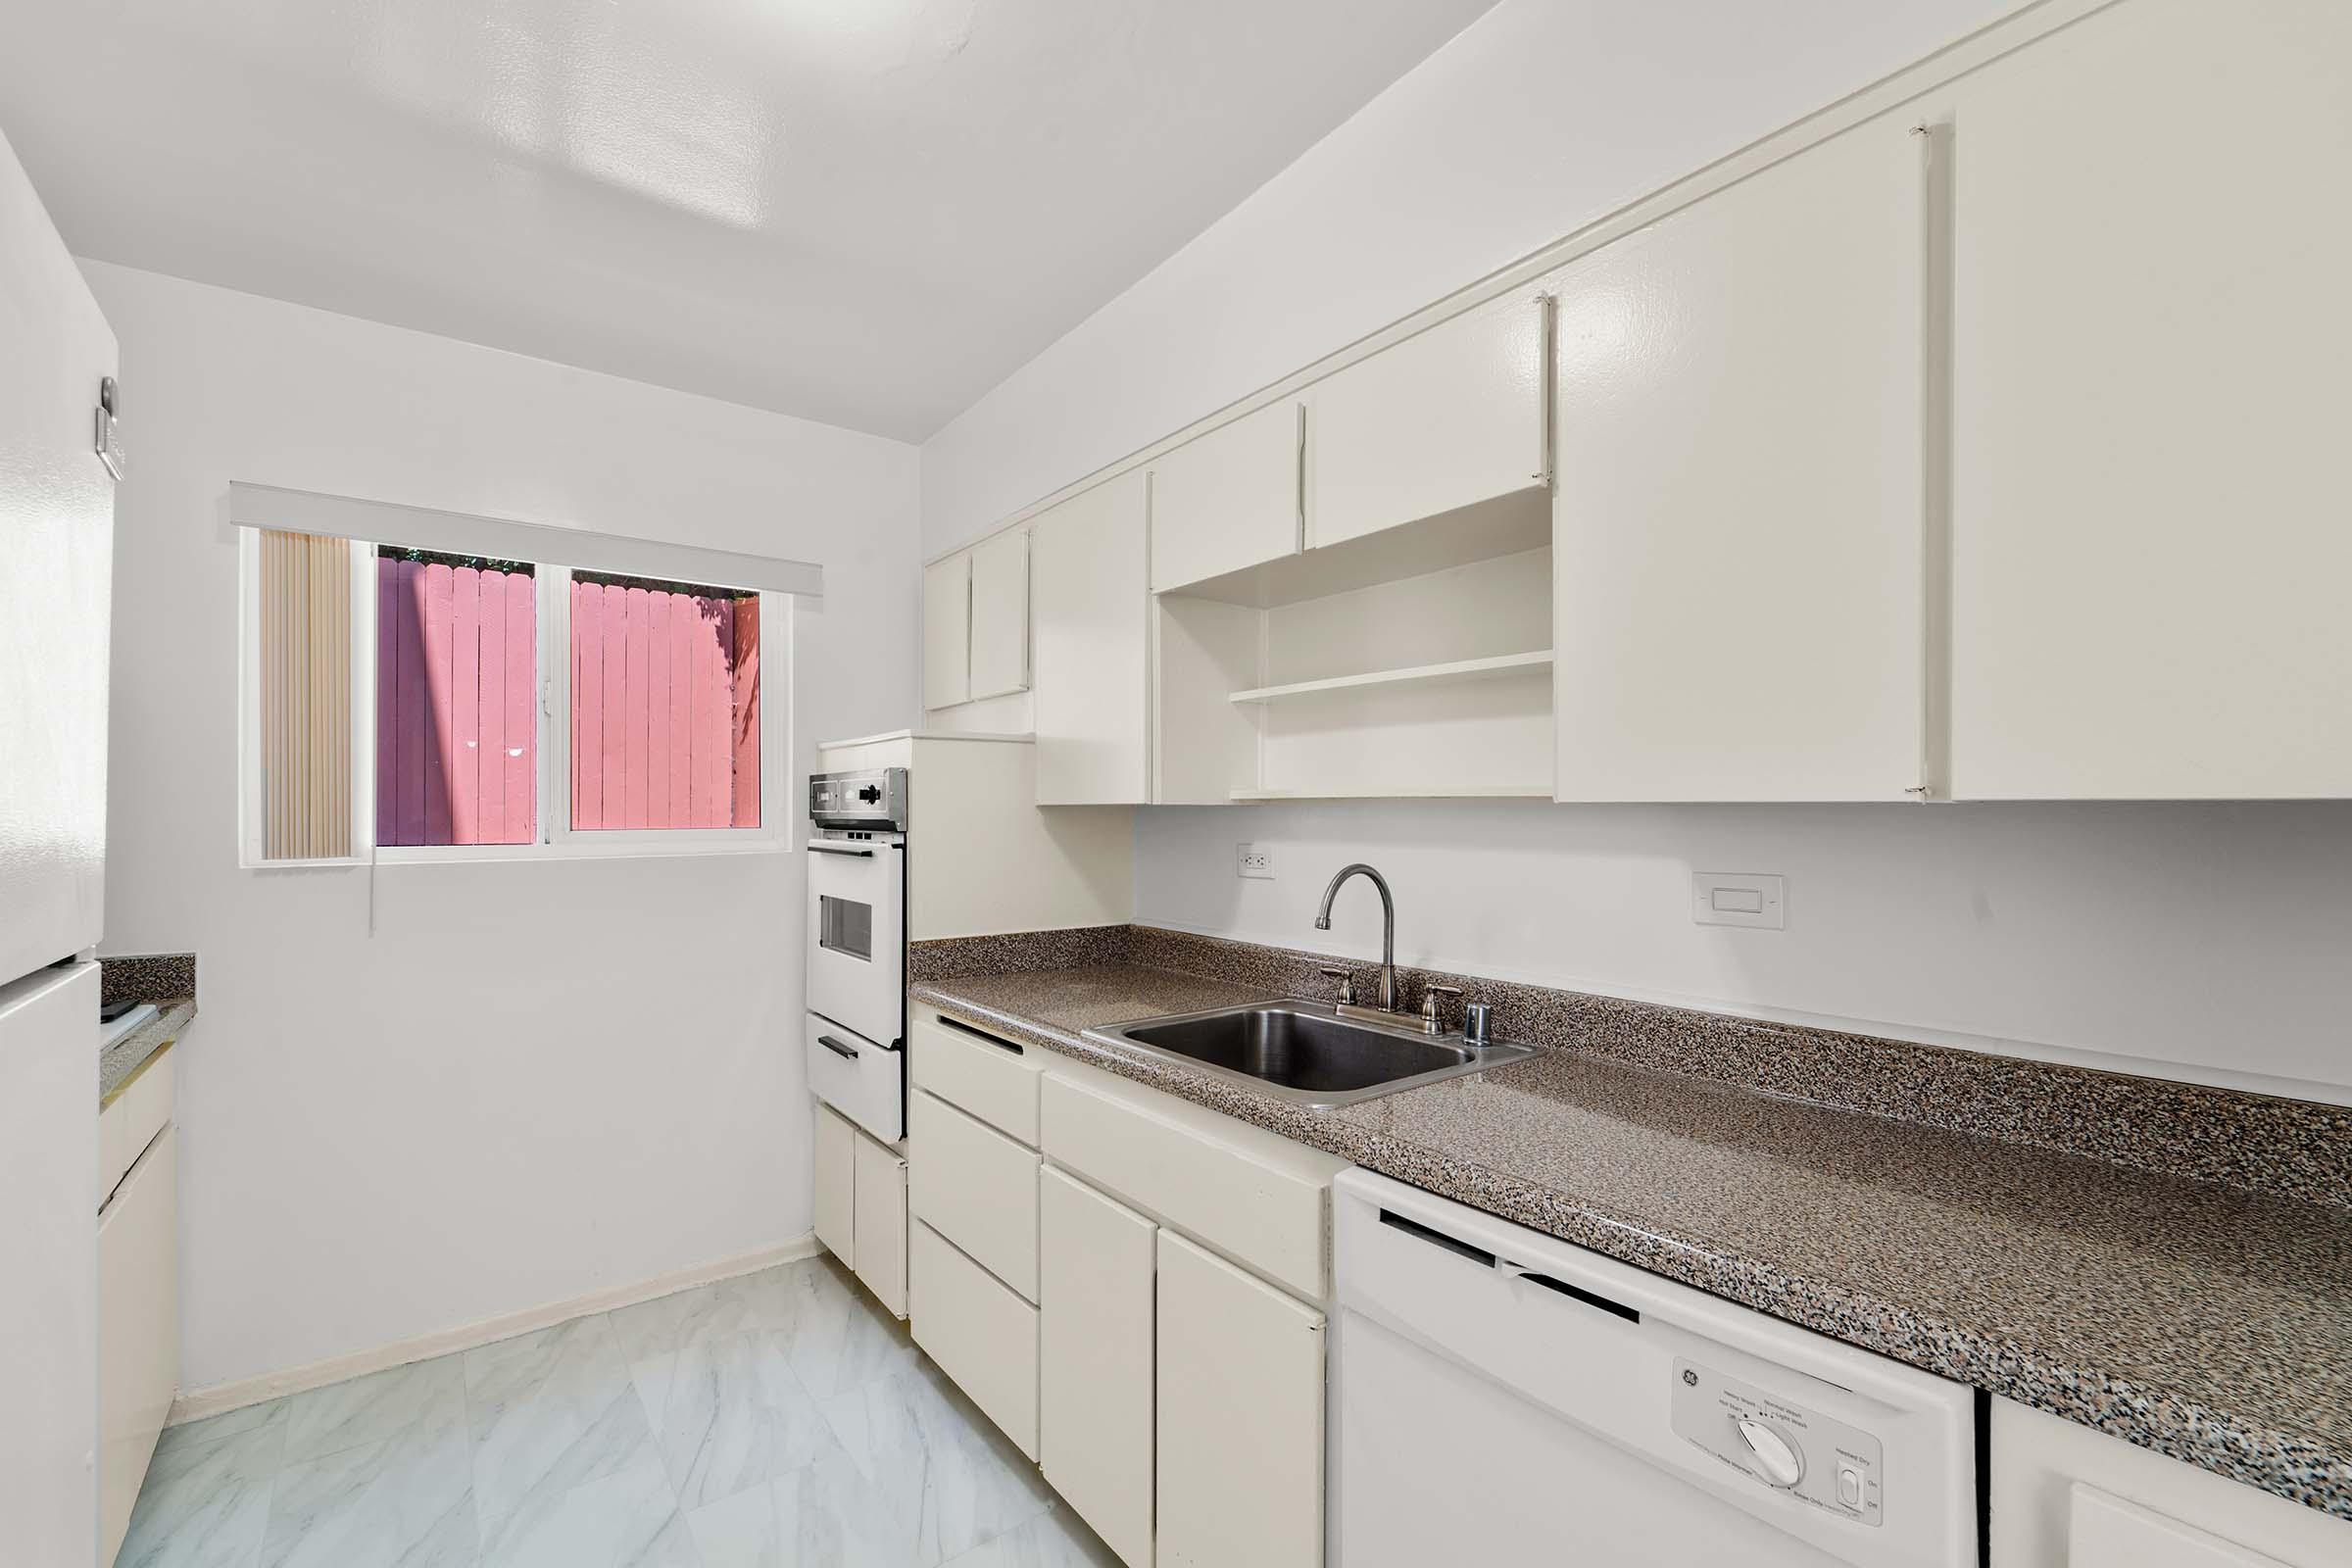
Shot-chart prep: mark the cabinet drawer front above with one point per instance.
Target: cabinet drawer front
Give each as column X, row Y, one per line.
column 994, row 1080
column 980, row 1333
column 881, row 1219
column 128, row 1126
column 977, row 1187
column 138, row 1328
column 1094, row 1360
column 862, row 1080
column 1271, row 1219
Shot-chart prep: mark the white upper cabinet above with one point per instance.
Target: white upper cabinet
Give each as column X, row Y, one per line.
column 948, row 631
column 1092, row 613
column 1001, row 615
column 1441, row 420
column 1739, row 529
column 2151, row 331
column 1228, row 500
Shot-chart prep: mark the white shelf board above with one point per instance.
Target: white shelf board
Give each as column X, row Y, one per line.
column 1432, row 792
column 1455, row 669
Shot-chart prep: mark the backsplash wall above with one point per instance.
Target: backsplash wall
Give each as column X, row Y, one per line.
column 2203, row 943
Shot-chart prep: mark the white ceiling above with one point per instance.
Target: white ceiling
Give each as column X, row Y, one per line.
column 867, row 212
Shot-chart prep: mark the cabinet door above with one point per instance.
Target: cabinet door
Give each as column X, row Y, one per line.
column 138, row 1329
column 2110, row 1532
column 2150, row 334
column 1001, row 615
column 835, row 1192
column 881, row 1220
column 1438, row 421
column 1094, row 1360
column 1093, row 616
column 979, row 1332
column 1228, row 500
column 1241, row 1417
column 948, row 631
column 1739, row 532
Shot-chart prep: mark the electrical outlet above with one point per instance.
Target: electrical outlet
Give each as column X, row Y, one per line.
column 1724, row 898
column 1254, row 859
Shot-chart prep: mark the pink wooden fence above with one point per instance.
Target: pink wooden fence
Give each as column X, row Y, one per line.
column 664, row 706
column 664, row 709
column 457, row 704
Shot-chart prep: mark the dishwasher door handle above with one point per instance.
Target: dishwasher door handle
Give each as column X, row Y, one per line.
column 1575, row 1293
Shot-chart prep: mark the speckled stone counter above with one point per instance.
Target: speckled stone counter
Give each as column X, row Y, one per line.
column 2200, row 1320
column 121, row 1061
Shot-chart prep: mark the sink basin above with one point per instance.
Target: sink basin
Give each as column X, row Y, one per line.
column 1307, row 1052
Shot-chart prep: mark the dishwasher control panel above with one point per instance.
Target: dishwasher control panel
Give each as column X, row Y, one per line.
column 1813, row 1458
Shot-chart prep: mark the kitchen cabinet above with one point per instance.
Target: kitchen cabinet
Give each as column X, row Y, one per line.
column 977, row 1187
column 948, row 631
column 2149, row 333
column 2066, row 1495
column 1092, row 610
column 138, row 1328
column 1739, row 526
column 881, row 1220
column 1228, row 500
column 1438, row 421
column 835, row 1185
column 1239, row 1420
column 1000, row 633
column 980, row 1331
column 859, row 1202
column 1096, row 1351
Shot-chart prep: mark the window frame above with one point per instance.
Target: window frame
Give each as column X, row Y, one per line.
column 556, row 839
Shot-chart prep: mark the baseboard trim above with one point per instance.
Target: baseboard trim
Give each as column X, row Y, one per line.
column 194, row 1404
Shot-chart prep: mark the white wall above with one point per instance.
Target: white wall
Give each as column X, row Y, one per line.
column 2200, row 942
column 1538, row 118
column 535, row 1080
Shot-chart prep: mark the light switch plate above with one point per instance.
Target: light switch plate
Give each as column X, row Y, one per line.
column 1736, row 897
column 1253, row 859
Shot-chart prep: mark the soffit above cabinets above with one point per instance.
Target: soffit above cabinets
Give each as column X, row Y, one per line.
column 783, row 203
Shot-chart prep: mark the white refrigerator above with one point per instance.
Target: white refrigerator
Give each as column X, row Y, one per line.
column 57, row 519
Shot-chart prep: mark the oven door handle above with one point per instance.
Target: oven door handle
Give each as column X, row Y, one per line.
column 836, row 849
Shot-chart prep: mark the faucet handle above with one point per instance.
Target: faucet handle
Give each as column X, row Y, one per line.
column 1429, row 1004
column 1347, row 982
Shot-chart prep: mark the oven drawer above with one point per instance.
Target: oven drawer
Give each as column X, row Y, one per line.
column 860, row 1079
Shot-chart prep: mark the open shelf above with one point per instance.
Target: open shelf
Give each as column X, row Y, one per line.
column 1454, row 670
column 1389, row 791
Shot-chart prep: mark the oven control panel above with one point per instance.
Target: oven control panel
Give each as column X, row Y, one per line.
column 876, row 799
column 1813, row 1458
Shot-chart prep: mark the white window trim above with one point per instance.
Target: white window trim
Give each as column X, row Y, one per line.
column 558, row 840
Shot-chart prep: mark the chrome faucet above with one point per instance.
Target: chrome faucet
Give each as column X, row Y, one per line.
column 1388, row 927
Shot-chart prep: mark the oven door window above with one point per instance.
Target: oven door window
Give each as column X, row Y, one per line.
column 846, row 926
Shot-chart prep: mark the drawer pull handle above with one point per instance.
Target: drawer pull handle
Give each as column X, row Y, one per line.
column 1436, row 1237
column 962, row 1027
column 838, row 1048
column 835, row 848
column 1575, row 1293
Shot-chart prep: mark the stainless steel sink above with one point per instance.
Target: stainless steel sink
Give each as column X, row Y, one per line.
column 1305, row 1053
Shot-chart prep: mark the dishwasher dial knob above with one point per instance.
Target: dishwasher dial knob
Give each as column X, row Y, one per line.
column 1779, row 1458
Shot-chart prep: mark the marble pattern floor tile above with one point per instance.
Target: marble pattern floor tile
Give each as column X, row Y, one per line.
column 779, row 1418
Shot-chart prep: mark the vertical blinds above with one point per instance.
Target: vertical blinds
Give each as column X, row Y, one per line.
column 305, row 696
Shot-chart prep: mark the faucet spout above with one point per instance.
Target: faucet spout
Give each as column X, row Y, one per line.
column 1388, row 926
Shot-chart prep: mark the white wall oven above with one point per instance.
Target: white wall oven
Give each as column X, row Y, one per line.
column 856, row 1030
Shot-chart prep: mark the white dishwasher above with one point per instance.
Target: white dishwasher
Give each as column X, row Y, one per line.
column 1502, row 1396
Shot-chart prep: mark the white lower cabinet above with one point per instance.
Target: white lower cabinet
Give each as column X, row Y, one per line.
column 138, row 1329
column 835, row 1184
column 978, row 1189
column 881, row 1215
column 1094, row 1360
column 2065, row 1495
column 860, row 1205
column 1240, row 1422
column 981, row 1333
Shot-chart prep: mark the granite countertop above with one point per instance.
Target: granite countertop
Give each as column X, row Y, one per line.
column 124, row 1061
column 2198, row 1320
